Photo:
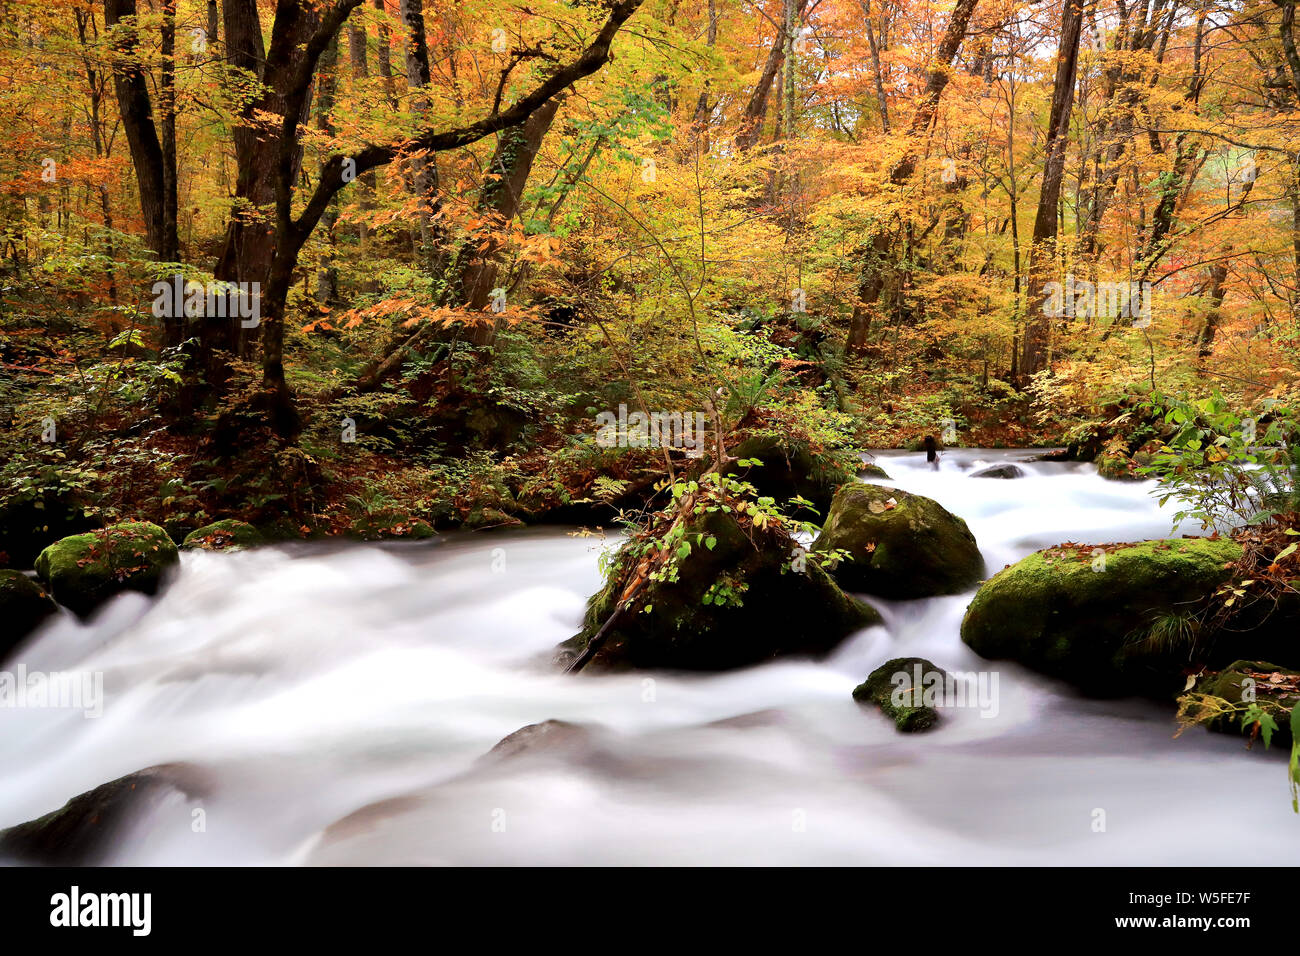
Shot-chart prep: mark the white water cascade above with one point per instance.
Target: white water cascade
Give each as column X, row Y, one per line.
column 310, row 682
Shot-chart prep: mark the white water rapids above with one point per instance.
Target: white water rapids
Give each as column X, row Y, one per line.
column 311, row 681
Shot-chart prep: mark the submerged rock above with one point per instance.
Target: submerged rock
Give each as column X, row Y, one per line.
column 999, row 471
column 85, row 570
column 24, row 606
column 551, row 737
column 228, row 534
column 903, row 545
column 893, row 688
column 1107, row 620
column 732, row 605
column 84, row 830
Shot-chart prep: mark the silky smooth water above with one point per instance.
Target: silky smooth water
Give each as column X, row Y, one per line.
column 339, row 699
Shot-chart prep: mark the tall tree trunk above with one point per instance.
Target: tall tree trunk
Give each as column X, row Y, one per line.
column 95, row 87
column 167, row 115
column 702, row 108
column 882, row 102
column 1038, row 325
column 384, row 51
column 876, row 270
column 417, row 78
column 791, row 80
column 136, row 109
column 327, row 276
column 475, row 271
column 1205, row 342
column 751, row 121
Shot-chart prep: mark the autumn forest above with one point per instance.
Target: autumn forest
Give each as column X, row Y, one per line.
column 400, row 297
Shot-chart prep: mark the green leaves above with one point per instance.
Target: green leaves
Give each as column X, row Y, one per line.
column 1267, row 725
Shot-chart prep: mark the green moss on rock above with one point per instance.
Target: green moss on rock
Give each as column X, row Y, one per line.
column 225, row 535
column 1068, row 613
column 389, row 526
column 780, row 610
column 899, row 674
column 24, row 605
column 903, row 545
column 85, row 570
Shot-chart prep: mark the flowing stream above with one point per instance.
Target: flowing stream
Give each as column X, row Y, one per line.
column 340, row 699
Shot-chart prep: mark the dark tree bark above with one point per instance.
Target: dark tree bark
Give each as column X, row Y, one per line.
column 1205, row 342
column 882, row 102
column 136, row 109
column 248, row 249
column 167, row 117
column 417, row 78
column 512, row 162
column 327, row 276
column 751, row 121
column 1038, row 324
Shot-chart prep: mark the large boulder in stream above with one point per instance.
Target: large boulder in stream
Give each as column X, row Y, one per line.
column 24, row 606
column 736, row 601
column 84, row 830
column 85, row 570
column 902, row 545
column 1113, row 620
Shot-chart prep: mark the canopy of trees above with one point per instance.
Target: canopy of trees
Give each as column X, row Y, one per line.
column 465, row 229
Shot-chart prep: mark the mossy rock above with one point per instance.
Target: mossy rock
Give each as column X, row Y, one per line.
column 85, row 570
column 1117, row 467
column 1067, row 613
column 24, row 605
column 1219, row 699
column 873, row 472
column 390, row 526
column 789, row 469
column 483, row 518
column 225, row 535
column 903, row 545
column 879, row 689
column 781, row 610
